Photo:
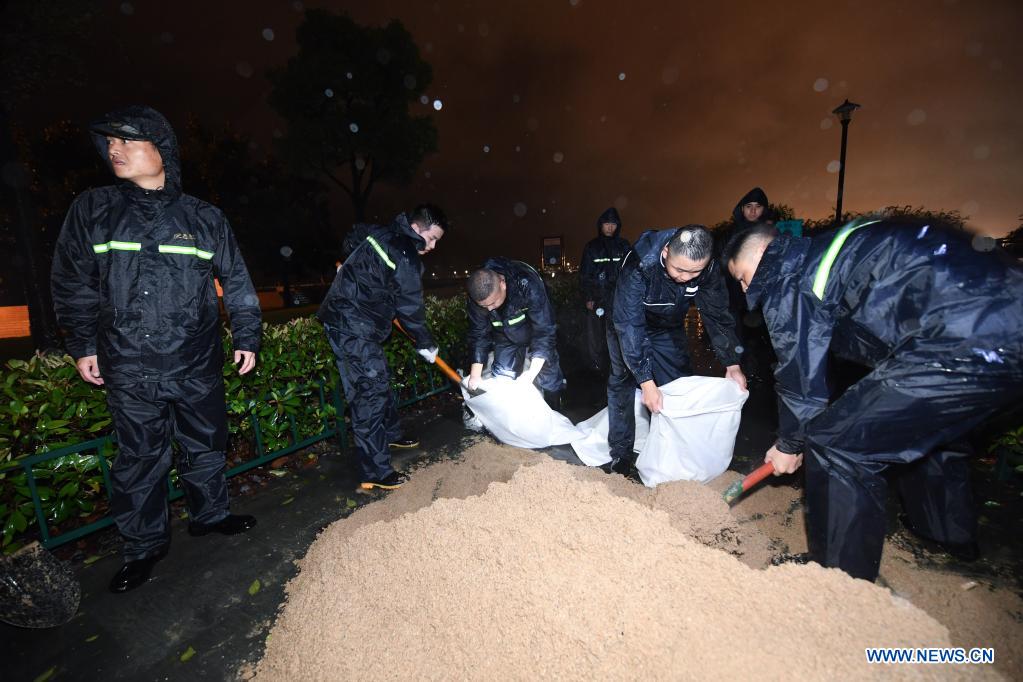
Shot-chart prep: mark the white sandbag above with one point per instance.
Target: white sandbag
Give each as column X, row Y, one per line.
column 691, row 439
column 516, row 413
column 593, row 449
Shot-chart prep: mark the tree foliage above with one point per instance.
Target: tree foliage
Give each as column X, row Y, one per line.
column 346, row 97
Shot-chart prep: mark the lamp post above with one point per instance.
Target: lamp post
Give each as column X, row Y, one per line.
column 286, row 252
column 844, row 112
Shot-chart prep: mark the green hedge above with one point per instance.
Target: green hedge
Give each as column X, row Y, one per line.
column 47, row 406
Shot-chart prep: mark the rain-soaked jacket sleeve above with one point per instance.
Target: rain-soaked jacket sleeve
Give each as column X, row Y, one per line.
column 801, row 336
column 480, row 338
column 629, row 319
column 541, row 321
column 240, row 297
column 712, row 301
column 588, row 273
column 74, row 282
column 409, row 304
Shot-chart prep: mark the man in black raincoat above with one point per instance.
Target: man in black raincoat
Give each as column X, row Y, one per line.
column 666, row 272
column 511, row 314
column 939, row 323
column 133, row 287
column 379, row 281
column 598, row 272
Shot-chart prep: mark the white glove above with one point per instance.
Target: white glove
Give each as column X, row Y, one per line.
column 535, row 365
column 428, row 354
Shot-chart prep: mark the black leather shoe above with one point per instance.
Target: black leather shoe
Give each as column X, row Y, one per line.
column 134, row 573
column 624, row 466
column 232, row 524
column 404, row 443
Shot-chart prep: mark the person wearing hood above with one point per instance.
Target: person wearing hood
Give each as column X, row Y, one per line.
column 752, row 209
column 379, row 281
column 511, row 315
column 598, row 272
column 665, row 273
column 133, row 288
column 938, row 323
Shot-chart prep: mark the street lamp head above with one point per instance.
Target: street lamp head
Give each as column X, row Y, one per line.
column 844, row 111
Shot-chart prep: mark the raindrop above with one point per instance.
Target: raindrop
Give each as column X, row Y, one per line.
column 532, row 123
column 429, row 47
column 970, row 208
column 826, row 123
column 995, row 65
column 461, row 28
column 983, row 243
column 349, row 75
column 974, row 49
column 603, row 119
column 543, row 210
column 438, row 105
column 669, row 75
column 834, row 166
column 622, row 203
column 484, row 29
column 573, row 3
column 981, row 152
column 423, row 99
column 739, row 350
column 820, row 85
column 621, row 76
column 354, row 127
column 328, row 92
column 741, row 160
column 166, row 37
column 244, row 69
column 384, row 55
column 486, row 149
column 127, row 9
column 558, row 157
column 410, row 81
column 520, row 209
column 843, row 84
column 831, row 194
column 277, row 134
column 360, row 163
column 268, row 34
column 916, row 117
column 517, row 148
column 516, row 99
column 428, row 175
column 297, row 5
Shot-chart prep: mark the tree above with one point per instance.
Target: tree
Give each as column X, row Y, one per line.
column 346, row 97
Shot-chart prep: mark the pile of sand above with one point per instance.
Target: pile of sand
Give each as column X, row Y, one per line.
column 555, row 575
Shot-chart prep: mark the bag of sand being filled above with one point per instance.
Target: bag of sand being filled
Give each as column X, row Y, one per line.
column 691, row 439
column 515, row 413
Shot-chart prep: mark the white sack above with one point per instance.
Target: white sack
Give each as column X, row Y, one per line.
column 691, row 439
column 516, row 413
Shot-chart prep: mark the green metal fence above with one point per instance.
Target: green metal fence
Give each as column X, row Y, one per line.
column 414, row 384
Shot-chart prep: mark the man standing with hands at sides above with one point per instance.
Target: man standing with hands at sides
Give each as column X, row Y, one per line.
column 511, row 314
column 133, row 286
column 379, row 281
column 666, row 272
column 938, row 322
column 598, row 272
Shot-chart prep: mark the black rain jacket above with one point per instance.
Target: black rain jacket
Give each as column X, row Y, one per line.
column 647, row 301
column 758, row 195
column 602, row 260
column 133, row 271
column 382, row 279
column 871, row 291
column 526, row 318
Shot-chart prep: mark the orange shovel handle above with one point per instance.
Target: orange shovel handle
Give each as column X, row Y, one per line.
column 441, row 365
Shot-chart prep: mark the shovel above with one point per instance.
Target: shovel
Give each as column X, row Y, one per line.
column 737, row 489
column 443, row 366
column 36, row 589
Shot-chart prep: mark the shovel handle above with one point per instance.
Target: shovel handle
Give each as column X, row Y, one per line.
column 441, row 365
column 736, row 490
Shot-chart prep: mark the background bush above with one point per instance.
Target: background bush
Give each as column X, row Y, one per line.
column 47, row 406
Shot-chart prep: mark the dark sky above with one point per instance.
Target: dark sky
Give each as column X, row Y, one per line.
column 555, row 109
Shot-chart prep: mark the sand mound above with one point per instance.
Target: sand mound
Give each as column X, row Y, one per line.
column 555, row 576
